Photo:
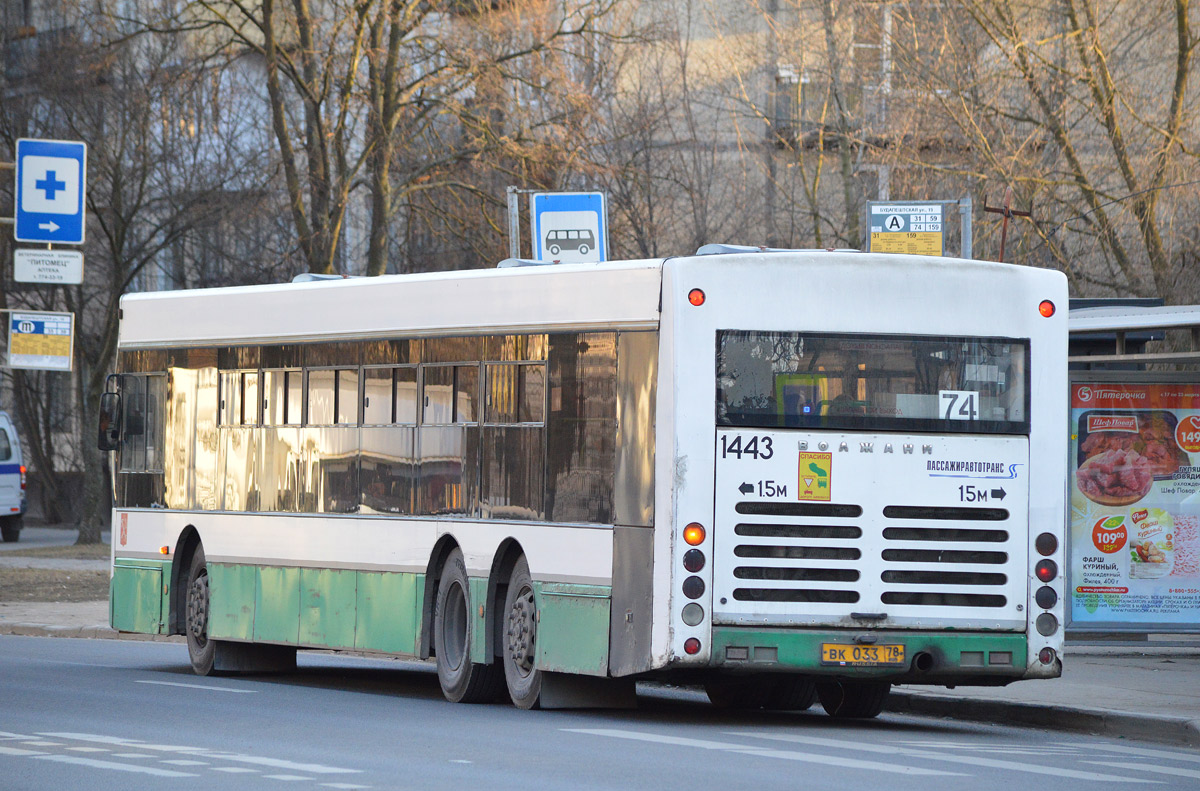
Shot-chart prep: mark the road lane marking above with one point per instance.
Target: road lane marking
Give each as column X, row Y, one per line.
column 1120, row 748
column 198, row 686
column 1153, row 769
column 88, row 749
column 704, row 744
column 287, row 777
column 131, row 755
column 36, row 743
column 183, row 762
column 92, row 762
column 19, row 751
column 131, row 743
column 972, row 760
column 234, row 769
column 210, row 755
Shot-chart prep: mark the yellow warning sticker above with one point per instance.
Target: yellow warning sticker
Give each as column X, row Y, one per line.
column 815, row 475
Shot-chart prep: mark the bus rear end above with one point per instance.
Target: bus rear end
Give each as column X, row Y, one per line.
column 869, row 452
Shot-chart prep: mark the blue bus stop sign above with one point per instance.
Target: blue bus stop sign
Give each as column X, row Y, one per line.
column 50, row 190
column 570, row 227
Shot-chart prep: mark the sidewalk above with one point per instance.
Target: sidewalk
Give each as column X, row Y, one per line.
column 1144, row 691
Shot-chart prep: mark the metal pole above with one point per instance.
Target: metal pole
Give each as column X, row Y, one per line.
column 514, row 222
column 964, row 214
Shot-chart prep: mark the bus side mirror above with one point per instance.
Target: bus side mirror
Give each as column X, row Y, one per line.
column 110, row 421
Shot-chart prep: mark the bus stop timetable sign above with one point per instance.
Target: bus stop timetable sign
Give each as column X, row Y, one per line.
column 915, row 229
column 40, row 341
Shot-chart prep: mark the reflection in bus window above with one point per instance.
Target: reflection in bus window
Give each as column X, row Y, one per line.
column 881, row 382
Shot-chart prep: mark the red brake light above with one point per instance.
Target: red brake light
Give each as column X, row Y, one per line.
column 1046, row 308
column 696, row 297
column 691, row 645
column 1046, row 570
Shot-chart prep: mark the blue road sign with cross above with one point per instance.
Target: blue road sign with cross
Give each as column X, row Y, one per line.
column 50, row 190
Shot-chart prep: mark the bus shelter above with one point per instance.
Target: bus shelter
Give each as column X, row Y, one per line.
column 1133, row 532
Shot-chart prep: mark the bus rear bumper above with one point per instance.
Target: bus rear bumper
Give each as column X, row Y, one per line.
column 941, row 658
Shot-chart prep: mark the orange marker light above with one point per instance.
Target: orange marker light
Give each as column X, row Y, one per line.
column 164, row 550
column 696, row 297
column 694, row 534
column 1046, row 308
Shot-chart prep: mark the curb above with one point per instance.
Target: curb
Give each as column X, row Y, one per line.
column 96, row 632
column 1113, row 724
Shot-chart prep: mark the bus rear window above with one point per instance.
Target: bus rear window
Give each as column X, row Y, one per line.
column 872, row 382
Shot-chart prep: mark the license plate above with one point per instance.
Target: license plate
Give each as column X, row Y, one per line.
column 861, row 655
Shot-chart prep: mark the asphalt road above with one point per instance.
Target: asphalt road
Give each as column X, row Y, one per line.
column 109, row 714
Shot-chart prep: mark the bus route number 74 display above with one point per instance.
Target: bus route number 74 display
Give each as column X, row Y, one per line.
column 959, row 404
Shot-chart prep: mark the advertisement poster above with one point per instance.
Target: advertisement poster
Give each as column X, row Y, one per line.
column 1135, row 505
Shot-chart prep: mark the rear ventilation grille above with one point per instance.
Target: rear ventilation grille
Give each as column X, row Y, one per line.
column 955, row 513
column 782, row 595
column 835, row 510
column 935, row 556
column 936, row 599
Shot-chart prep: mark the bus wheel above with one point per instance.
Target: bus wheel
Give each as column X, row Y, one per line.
column 10, row 528
column 201, row 650
column 520, row 639
column 853, row 699
column 791, row 693
column 462, row 680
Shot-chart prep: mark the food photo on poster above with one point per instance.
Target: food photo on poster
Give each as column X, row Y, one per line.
column 1135, row 504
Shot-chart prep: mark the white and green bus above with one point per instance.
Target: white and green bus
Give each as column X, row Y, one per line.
column 779, row 474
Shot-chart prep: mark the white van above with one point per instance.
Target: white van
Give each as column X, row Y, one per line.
column 12, row 481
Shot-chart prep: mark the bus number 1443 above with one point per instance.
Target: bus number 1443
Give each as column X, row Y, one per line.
column 755, row 447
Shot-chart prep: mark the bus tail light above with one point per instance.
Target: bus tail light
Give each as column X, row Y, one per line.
column 693, row 560
column 1046, row 544
column 691, row 645
column 693, row 587
column 694, row 533
column 696, row 297
column 693, row 614
column 1046, row 308
column 22, row 476
column 1046, row 624
column 1046, row 570
column 1046, row 656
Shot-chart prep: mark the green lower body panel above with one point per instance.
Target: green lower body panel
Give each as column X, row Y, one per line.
column 276, row 605
column 572, row 630
column 328, row 607
column 946, row 656
column 320, row 608
column 480, row 650
column 388, row 613
column 231, row 601
column 137, row 599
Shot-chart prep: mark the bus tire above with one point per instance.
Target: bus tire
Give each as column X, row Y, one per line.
column 462, row 680
column 853, row 699
column 521, row 674
column 10, row 528
column 791, row 693
column 201, row 650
